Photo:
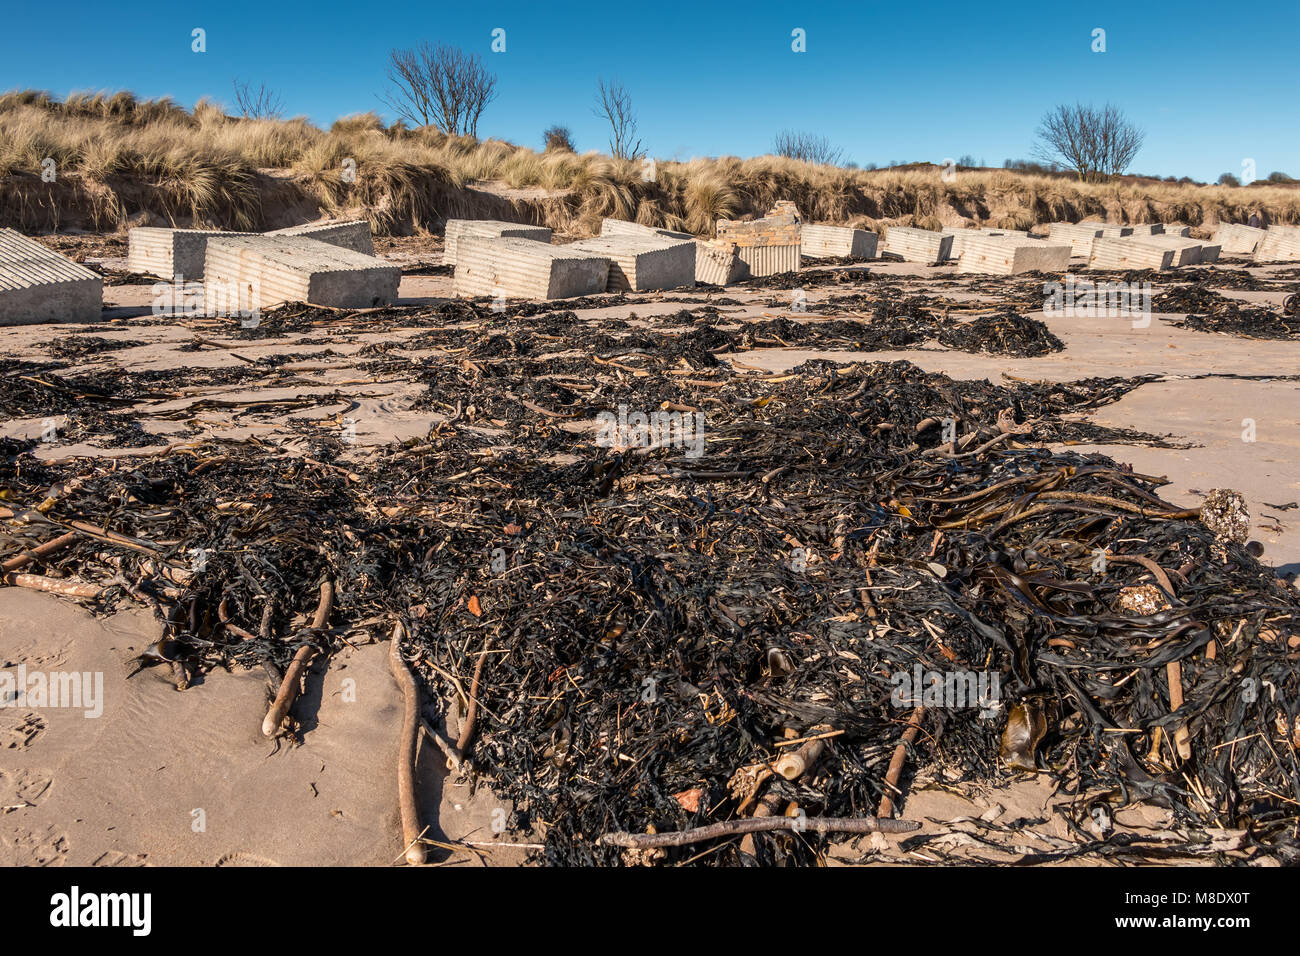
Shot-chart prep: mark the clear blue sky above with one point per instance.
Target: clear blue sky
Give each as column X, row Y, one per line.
column 1212, row 83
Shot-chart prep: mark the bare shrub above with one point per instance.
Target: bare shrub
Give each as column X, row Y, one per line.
column 1097, row 143
column 808, row 147
column 259, row 103
column 614, row 103
column 441, row 86
column 558, row 138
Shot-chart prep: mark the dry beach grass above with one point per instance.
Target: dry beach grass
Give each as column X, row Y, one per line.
column 120, row 160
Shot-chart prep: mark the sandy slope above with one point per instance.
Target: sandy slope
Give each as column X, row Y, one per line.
column 165, row 777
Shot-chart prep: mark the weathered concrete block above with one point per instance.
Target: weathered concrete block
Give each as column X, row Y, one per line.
column 172, row 254
column 1010, row 255
column 1235, row 239
column 262, row 271
column 818, row 242
column 1078, row 235
column 1116, row 232
column 1149, row 229
column 960, row 235
column 352, row 234
column 716, row 262
column 641, row 263
column 1129, row 252
column 39, row 285
column 621, row 227
column 1279, row 244
column 1187, row 252
column 1173, row 229
column 489, row 229
column 917, row 245
column 526, row 269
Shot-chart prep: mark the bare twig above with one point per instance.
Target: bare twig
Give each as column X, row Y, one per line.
column 760, row 825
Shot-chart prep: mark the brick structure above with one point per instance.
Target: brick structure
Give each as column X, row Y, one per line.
column 769, row 245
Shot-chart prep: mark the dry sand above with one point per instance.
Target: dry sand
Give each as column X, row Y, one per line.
column 168, row 777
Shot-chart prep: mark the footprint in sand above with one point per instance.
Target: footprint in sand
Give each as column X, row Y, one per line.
column 41, row 848
column 244, row 859
column 22, row 788
column 19, row 731
column 113, row 858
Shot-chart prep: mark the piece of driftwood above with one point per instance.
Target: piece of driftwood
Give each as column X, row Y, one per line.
column 19, row 561
column 408, row 748
column 896, row 762
column 760, row 825
column 38, row 582
column 292, row 683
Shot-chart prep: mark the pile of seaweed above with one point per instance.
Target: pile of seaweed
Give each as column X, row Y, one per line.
column 644, row 625
column 1004, row 333
column 80, row 346
column 1209, row 311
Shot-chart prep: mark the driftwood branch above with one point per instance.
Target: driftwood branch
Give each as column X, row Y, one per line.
column 19, row 561
column 896, row 762
column 52, row 585
column 408, row 749
column 760, row 825
column 292, row 682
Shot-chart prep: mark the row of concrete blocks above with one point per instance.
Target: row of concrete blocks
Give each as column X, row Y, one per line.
column 329, row 264
column 179, row 254
column 1007, row 252
column 1149, row 252
column 496, row 258
column 1080, row 235
column 241, row 273
column 1274, row 244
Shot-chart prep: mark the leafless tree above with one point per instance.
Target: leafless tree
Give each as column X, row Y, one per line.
column 260, row 103
column 1097, row 143
column 809, row 147
column 615, row 104
column 440, row 85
